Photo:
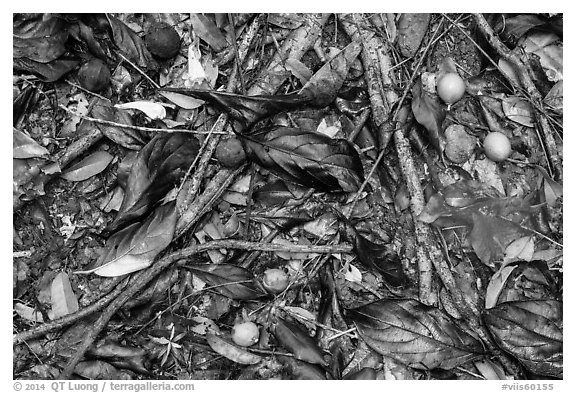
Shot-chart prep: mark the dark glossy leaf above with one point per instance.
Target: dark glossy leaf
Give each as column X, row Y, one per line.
column 35, row 25
column 531, row 331
column 231, row 351
column 376, row 256
column 493, row 221
column 320, row 91
column 246, row 109
column 24, row 102
column 277, row 193
column 49, row 72
column 126, row 137
column 159, row 166
column 232, row 281
column 302, row 371
column 430, row 113
column 86, row 34
column 135, row 247
column 39, row 40
column 382, row 258
column 415, row 334
column 324, row 85
column 307, row 158
column 297, row 340
column 88, row 167
column 131, row 44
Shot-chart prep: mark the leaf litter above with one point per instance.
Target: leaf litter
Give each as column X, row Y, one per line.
column 311, row 197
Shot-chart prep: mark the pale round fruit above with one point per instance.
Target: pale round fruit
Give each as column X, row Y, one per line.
column 275, row 280
column 497, row 146
column 245, row 334
column 450, row 88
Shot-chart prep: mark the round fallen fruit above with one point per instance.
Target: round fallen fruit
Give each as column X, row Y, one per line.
column 230, row 152
column 163, row 41
column 497, row 146
column 245, row 334
column 94, row 75
column 275, row 280
column 450, row 87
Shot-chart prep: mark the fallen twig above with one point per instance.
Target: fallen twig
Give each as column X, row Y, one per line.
column 550, row 148
column 143, row 278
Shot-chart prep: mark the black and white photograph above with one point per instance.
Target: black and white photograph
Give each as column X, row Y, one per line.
column 287, row 196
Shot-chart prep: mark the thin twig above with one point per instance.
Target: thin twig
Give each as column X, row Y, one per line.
column 129, row 126
column 156, row 85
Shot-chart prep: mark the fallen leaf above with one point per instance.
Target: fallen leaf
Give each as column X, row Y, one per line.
column 25, row 147
column 420, row 336
column 307, row 158
column 232, row 281
column 63, row 299
column 153, row 110
column 297, row 340
column 429, row 113
column 231, row 351
column 158, row 167
column 135, row 247
column 531, row 331
column 88, row 167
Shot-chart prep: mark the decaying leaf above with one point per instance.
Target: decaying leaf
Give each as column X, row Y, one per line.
column 88, row 167
column 307, row 158
column 135, row 247
column 158, row 167
column 415, row 334
column 494, row 221
column 324, row 85
column 531, row 331
column 63, row 299
column 429, row 113
column 232, row 281
column 411, row 31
